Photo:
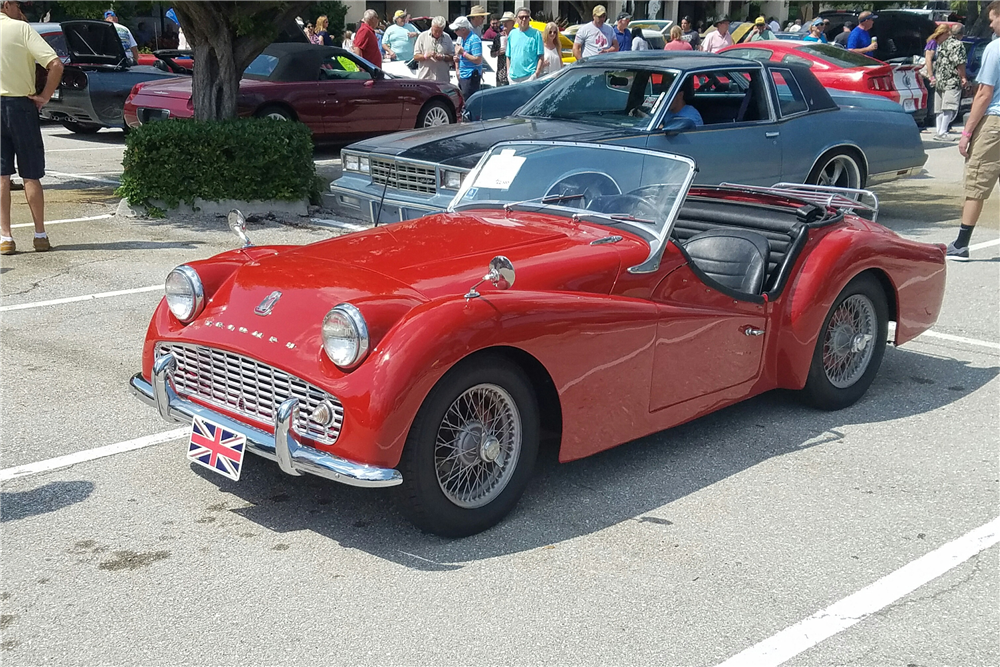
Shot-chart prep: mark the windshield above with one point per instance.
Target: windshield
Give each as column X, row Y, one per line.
column 607, row 95
column 623, row 187
column 838, row 56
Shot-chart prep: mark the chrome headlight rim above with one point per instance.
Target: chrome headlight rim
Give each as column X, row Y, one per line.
column 352, row 162
column 445, row 173
column 193, row 280
column 356, row 320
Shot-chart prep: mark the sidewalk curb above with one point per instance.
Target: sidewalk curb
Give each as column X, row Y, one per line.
column 203, row 207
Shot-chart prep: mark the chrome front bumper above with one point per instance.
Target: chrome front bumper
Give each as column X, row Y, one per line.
column 293, row 457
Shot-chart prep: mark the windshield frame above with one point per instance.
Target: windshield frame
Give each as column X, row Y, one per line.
column 654, row 119
column 657, row 238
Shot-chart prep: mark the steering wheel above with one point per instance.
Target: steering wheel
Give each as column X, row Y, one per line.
column 588, row 184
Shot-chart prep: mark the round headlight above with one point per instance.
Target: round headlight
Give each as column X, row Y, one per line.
column 185, row 295
column 345, row 336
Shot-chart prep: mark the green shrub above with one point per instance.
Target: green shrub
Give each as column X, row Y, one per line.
column 175, row 161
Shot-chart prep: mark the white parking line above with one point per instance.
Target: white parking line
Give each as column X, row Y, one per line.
column 961, row 339
column 841, row 615
column 59, row 222
column 985, row 244
column 92, row 148
column 49, row 465
column 85, row 297
column 79, row 177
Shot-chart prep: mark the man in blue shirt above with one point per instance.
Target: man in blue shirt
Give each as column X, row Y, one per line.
column 860, row 41
column 679, row 107
column 469, row 56
column 980, row 142
column 398, row 40
column 525, row 49
column 622, row 33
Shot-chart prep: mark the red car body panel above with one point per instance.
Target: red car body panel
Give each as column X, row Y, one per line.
column 626, row 354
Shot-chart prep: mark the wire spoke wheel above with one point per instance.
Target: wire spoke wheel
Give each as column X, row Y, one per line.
column 849, row 341
column 435, row 116
column 478, row 445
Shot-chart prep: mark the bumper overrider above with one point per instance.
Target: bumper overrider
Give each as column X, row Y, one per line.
column 293, row 457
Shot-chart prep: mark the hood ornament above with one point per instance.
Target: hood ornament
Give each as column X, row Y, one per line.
column 238, row 223
column 501, row 275
column 264, row 308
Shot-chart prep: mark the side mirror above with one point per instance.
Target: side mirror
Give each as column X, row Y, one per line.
column 238, row 223
column 501, row 275
column 677, row 125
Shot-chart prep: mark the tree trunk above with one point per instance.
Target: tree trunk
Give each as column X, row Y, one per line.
column 980, row 27
column 216, row 83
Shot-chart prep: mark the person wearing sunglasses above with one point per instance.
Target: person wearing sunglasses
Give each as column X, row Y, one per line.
column 552, row 62
column 595, row 37
column 525, row 49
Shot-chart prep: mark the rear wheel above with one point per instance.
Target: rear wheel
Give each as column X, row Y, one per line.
column 81, row 128
column 839, row 170
column 471, row 449
column 434, row 114
column 274, row 112
column 850, row 347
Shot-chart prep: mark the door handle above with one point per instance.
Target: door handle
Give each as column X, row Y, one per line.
column 751, row 331
column 771, row 135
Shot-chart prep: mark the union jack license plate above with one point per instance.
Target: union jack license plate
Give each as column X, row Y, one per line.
column 217, row 448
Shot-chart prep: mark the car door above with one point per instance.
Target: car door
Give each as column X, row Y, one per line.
column 707, row 341
column 738, row 142
column 356, row 103
column 799, row 131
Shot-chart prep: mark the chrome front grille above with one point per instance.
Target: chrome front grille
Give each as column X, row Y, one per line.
column 404, row 175
column 249, row 388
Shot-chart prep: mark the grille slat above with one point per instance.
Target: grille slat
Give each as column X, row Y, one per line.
column 249, row 388
column 404, row 176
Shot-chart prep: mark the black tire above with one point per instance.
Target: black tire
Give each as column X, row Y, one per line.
column 274, row 111
column 423, row 498
column 821, row 391
column 80, row 128
column 434, row 112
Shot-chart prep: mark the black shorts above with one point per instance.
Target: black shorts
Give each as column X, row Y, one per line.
column 21, row 136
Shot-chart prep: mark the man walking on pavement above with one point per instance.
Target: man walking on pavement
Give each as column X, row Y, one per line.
column 525, row 49
column 595, row 37
column 20, row 133
column 980, row 142
column 468, row 57
column 622, row 34
column 949, row 80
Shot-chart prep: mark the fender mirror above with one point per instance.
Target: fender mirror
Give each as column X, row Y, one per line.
column 677, row 125
column 501, row 275
column 238, row 223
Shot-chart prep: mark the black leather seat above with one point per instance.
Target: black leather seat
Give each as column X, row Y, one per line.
column 734, row 258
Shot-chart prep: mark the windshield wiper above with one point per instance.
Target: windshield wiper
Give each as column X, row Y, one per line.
column 630, row 218
column 550, row 199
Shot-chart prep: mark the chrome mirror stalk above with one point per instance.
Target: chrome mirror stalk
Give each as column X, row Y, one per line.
column 501, row 275
column 238, row 223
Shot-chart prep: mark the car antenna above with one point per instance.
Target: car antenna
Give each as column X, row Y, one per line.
column 378, row 215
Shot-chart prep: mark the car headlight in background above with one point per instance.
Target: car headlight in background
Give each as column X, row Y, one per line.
column 345, row 336
column 451, row 180
column 184, row 292
column 365, row 165
column 358, row 163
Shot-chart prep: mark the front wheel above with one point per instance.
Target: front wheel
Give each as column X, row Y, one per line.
column 81, row 128
column 850, row 346
column 471, row 449
column 434, row 114
column 840, row 170
column 274, row 113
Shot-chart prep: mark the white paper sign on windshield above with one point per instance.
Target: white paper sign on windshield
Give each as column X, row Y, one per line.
column 500, row 170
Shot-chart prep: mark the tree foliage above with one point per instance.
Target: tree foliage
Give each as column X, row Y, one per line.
column 226, row 36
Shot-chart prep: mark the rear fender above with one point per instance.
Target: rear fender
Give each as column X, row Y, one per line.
column 912, row 274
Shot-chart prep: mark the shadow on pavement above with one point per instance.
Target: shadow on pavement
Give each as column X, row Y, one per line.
column 49, row 498
column 107, row 136
column 129, row 245
column 623, row 484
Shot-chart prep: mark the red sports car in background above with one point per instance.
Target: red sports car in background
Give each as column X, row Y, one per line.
column 337, row 94
column 840, row 69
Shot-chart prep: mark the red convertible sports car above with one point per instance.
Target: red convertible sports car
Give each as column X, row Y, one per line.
column 336, row 93
column 585, row 292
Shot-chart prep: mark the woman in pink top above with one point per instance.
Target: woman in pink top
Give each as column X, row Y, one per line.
column 677, row 42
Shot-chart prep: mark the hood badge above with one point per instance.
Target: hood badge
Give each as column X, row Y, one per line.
column 267, row 304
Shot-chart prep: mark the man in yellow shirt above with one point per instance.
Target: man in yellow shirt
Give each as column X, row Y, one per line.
column 20, row 134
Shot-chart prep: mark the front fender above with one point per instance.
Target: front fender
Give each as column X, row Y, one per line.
column 912, row 273
column 597, row 350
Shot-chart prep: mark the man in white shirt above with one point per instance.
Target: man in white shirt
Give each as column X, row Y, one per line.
column 595, row 37
column 720, row 39
column 435, row 52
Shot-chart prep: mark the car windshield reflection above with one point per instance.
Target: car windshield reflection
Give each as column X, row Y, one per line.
column 610, row 184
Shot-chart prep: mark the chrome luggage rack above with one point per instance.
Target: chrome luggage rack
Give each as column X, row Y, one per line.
column 843, row 199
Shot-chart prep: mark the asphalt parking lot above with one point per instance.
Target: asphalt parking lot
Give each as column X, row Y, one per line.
column 688, row 547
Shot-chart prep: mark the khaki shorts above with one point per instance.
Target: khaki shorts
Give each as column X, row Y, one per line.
column 947, row 100
column 982, row 167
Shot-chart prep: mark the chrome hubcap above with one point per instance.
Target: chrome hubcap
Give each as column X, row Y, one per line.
column 436, row 116
column 847, row 348
column 478, row 445
column 841, row 172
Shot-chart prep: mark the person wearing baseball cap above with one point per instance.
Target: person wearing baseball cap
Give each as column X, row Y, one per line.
column 760, row 31
column 477, row 17
column 860, row 40
column 125, row 36
column 595, row 37
column 622, row 34
column 399, row 38
column 720, row 39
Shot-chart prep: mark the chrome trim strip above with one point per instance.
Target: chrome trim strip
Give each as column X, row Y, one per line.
column 300, row 458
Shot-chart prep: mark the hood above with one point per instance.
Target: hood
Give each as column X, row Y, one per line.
column 461, row 145
column 93, row 43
